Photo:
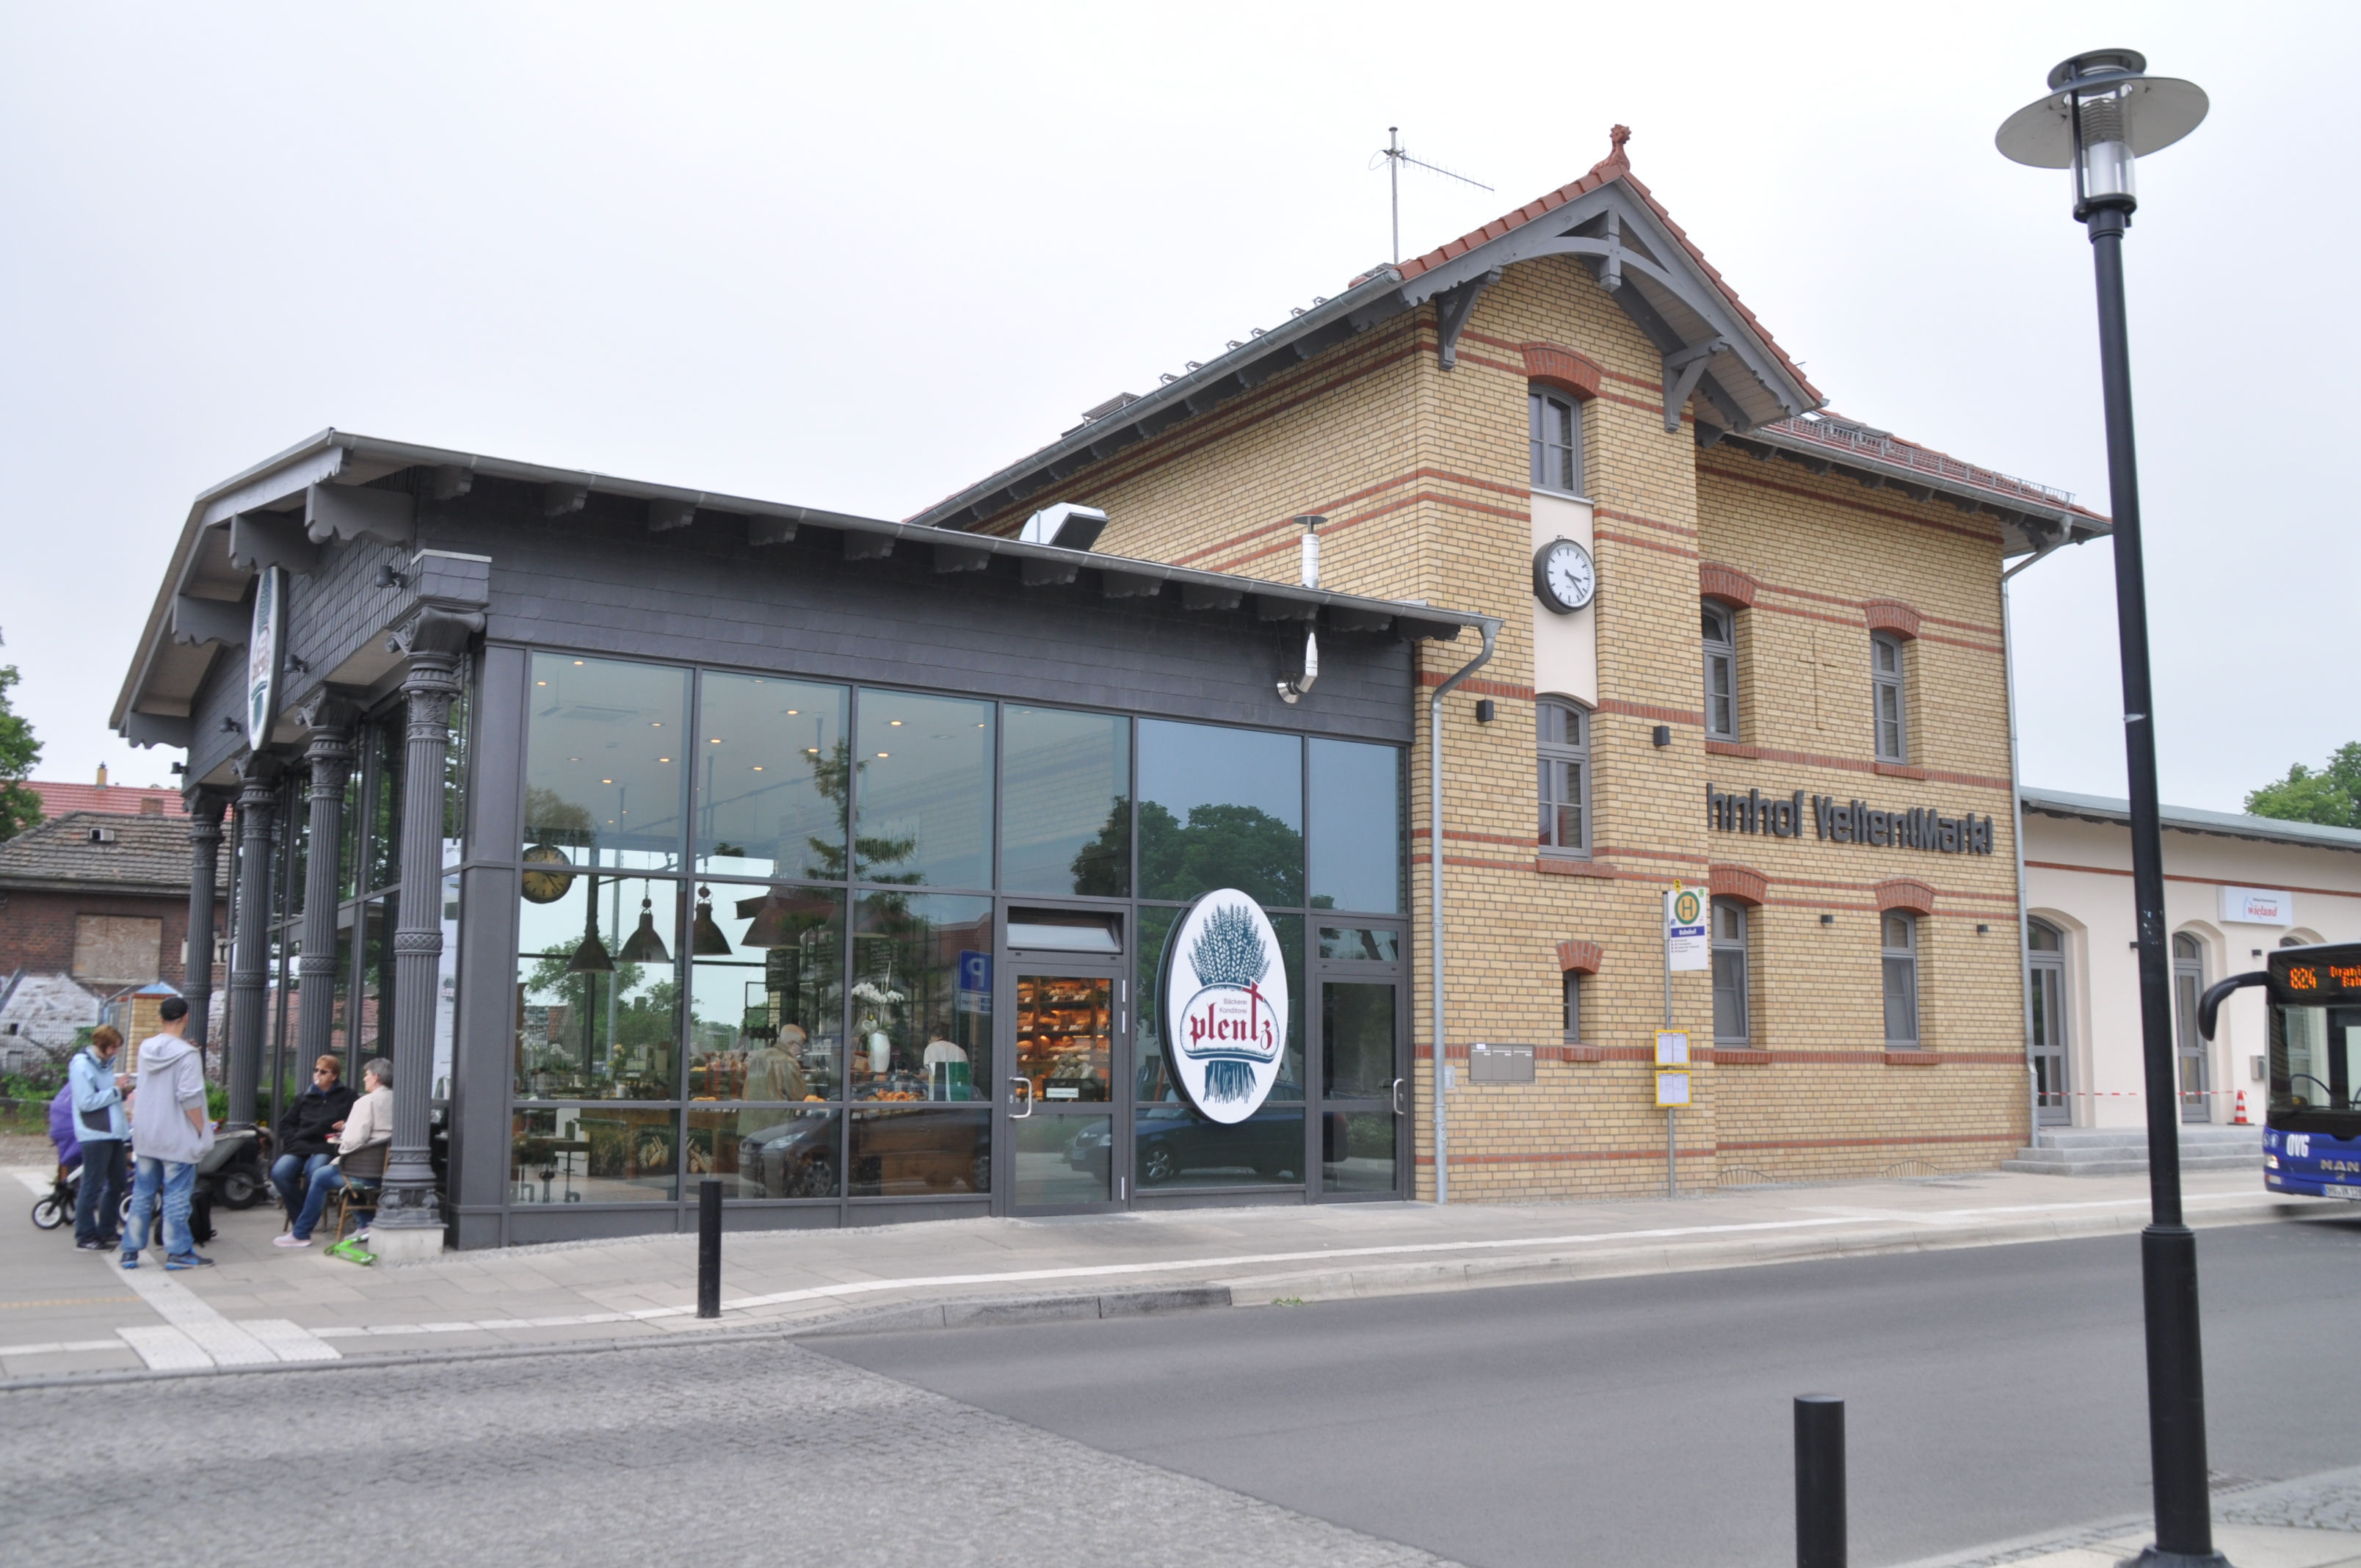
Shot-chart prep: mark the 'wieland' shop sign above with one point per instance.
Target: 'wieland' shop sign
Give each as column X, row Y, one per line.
column 1851, row 822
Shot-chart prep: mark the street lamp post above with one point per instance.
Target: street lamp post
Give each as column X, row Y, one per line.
column 2103, row 112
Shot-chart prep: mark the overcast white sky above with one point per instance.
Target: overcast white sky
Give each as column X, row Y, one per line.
column 858, row 256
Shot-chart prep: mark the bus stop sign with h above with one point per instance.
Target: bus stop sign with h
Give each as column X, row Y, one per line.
column 1687, row 947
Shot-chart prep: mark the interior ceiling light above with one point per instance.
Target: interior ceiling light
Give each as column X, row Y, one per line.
column 643, row 946
column 705, row 938
column 591, row 957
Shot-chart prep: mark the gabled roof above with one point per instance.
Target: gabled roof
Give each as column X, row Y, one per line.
column 1616, row 165
column 1713, row 346
column 2108, row 810
column 139, row 855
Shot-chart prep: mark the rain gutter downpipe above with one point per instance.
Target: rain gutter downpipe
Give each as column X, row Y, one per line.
column 1491, row 626
column 2016, row 834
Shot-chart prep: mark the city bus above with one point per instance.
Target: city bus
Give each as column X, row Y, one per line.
column 2312, row 1132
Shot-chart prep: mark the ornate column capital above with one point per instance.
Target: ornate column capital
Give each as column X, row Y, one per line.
column 433, row 641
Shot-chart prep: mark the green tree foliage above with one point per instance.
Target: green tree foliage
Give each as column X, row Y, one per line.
column 1221, row 846
column 2331, row 795
column 19, row 807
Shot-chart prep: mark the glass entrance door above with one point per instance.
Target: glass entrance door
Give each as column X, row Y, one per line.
column 2188, row 985
column 2046, row 978
column 1363, row 1130
column 1069, row 1151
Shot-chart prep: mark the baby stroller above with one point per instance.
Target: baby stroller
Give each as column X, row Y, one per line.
column 57, row 1207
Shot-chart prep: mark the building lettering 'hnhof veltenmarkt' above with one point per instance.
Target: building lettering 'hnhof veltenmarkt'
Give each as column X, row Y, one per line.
column 1067, row 847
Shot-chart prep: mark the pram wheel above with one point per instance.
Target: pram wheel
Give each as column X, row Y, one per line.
column 50, row 1212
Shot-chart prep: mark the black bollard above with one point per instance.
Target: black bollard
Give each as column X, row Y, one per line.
column 708, row 1255
column 1819, row 1481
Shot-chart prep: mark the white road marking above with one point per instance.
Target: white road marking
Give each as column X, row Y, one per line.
column 205, row 1331
column 165, row 1348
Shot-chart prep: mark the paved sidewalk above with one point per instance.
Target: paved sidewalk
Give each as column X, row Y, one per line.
column 2313, row 1521
column 71, row 1313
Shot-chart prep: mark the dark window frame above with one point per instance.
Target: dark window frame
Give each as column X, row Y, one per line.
column 1719, row 628
column 1889, row 690
column 1554, row 441
column 1905, row 954
column 1732, row 954
column 1553, row 759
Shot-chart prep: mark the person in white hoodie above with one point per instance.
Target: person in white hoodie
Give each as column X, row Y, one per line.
column 370, row 1121
column 169, row 1133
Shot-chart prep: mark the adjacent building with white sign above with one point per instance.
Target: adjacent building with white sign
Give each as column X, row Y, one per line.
column 2235, row 888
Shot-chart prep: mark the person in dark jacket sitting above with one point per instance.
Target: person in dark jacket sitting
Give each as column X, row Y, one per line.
column 307, row 1132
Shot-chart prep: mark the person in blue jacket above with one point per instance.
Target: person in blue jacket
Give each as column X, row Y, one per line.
column 100, row 1123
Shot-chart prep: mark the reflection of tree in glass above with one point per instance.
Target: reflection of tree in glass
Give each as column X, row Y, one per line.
column 551, row 818
column 1222, row 846
column 1103, row 867
column 641, row 1018
column 832, row 776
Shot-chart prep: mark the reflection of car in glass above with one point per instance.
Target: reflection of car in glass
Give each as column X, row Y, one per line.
column 896, row 1150
column 795, row 1159
column 1169, row 1141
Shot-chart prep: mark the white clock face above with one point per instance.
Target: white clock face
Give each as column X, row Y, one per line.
column 1563, row 575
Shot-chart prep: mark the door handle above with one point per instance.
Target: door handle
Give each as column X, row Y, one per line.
column 1027, row 1085
column 1401, row 1086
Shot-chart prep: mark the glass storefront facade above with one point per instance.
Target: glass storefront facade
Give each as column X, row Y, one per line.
column 838, row 944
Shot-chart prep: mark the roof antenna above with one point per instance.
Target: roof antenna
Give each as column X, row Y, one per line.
column 1395, row 158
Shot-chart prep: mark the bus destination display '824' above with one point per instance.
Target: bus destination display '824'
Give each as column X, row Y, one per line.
column 2312, row 1139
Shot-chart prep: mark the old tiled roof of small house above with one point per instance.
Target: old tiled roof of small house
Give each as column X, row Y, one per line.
column 1715, row 350
column 101, row 852
column 57, row 799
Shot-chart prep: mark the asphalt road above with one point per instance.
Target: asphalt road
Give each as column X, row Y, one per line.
column 1993, row 1391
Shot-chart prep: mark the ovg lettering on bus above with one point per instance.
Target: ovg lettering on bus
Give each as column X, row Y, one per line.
column 1853, row 822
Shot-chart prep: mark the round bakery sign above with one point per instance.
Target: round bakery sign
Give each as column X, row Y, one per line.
column 1225, row 1005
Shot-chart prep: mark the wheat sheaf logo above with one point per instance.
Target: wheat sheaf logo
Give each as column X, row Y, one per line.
column 1225, row 1005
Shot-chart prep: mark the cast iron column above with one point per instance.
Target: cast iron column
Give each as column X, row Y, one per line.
column 249, row 958
column 2176, row 1373
column 436, row 642
column 330, row 753
column 205, row 809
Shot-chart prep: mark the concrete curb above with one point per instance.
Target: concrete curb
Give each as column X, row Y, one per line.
column 890, row 1318
column 1299, row 1284
column 1619, row 1262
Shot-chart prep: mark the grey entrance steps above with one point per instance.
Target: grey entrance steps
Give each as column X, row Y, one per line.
column 2123, row 1151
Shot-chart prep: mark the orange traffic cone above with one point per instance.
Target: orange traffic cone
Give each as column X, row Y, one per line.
column 2240, row 1120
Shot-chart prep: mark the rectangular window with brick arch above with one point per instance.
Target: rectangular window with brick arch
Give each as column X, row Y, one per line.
column 1555, row 436
column 1720, row 672
column 1563, row 741
column 1886, row 686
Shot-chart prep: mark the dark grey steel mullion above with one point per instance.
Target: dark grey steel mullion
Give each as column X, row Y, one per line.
column 516, row 807
column 852, row 916
column 684, row 961
column 1315, row 1044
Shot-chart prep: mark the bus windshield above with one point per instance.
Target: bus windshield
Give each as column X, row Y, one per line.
column 2316, row 1039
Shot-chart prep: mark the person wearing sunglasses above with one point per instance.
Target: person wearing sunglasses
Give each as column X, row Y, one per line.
column 307, row 1131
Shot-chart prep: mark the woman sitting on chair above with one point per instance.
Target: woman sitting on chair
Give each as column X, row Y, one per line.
column 368, row 1133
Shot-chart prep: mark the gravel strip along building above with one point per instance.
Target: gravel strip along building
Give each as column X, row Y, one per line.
column 880, row 870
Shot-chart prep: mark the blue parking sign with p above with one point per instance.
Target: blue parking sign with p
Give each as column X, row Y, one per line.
column 974, row 982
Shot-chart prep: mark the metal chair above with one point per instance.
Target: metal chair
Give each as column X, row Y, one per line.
column 364, row 1174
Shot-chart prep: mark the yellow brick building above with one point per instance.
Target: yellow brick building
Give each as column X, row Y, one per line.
column 1787, row 687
